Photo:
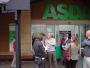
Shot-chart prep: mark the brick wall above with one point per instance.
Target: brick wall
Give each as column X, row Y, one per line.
column 26, row 33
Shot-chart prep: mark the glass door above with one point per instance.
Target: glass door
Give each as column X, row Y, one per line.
column 57, row 30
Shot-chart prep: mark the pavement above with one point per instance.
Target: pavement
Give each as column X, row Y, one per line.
column 30, row 64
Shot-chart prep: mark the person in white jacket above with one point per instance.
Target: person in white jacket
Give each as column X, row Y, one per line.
column 50, row 46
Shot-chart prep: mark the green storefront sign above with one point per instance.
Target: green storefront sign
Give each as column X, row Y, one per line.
column 65, row 12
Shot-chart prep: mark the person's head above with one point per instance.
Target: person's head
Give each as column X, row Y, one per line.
column 43, row 35
column 39, row 37
column 75, row 40
column 88, row 33
column 65, row 36
column 49, row 35
column 33, row 35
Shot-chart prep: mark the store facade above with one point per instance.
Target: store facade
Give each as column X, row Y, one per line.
column 56, row 16
column 45, row 16
column 8, row 32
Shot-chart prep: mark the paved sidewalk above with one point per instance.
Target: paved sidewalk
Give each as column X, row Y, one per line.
column 30, row 64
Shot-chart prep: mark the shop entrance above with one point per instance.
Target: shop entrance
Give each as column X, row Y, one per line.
column 58, row 30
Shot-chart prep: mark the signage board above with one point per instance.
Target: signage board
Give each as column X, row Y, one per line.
column 65, row 12
column 4, row 1
column 18, row 5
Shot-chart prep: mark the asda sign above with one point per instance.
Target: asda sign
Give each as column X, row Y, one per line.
column 65, row 12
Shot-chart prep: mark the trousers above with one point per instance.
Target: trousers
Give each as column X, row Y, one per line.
column 50, row 55
column 13, row 64
column 86, row 62
column 39, row 62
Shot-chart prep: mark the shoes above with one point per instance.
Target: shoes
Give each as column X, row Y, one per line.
column 13, row 66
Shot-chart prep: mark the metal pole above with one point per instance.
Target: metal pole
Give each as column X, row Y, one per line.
column 18, row 45
column 0, row 8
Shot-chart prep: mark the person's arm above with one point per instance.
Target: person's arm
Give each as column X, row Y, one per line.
column 42, row 49
column 53, row 42
column 83, row 44
column 46, row 45
column 65, row 47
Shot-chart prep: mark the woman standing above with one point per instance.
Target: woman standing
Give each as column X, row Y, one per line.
column 74, row 51
column 39, row 52
column 66, row 50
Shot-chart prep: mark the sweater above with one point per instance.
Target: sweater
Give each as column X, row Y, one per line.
column 86, row 46
column 50, row 44
column 74, row 51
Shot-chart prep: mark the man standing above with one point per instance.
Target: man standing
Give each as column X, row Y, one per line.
column 66, row 50
column 50, row 44
column 86, row 52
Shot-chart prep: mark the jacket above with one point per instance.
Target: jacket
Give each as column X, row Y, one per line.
column 50, row 44
column 39, row 49
column 74, row 51
column 86, row 46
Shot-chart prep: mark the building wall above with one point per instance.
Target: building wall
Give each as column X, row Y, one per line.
column 25, row 27
column 26, row 46
column 5, row 19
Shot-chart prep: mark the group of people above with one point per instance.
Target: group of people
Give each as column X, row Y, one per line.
column 45, row 44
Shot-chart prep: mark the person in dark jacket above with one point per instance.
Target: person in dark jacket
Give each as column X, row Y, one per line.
column 86, row 51
column 39, row 52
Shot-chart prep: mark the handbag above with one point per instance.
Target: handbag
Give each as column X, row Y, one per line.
column 67, row 55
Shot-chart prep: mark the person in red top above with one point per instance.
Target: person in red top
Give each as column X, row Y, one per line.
column 14, row 46
column 14, row 54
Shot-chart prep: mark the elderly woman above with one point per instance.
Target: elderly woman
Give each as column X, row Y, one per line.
column 39, row 52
